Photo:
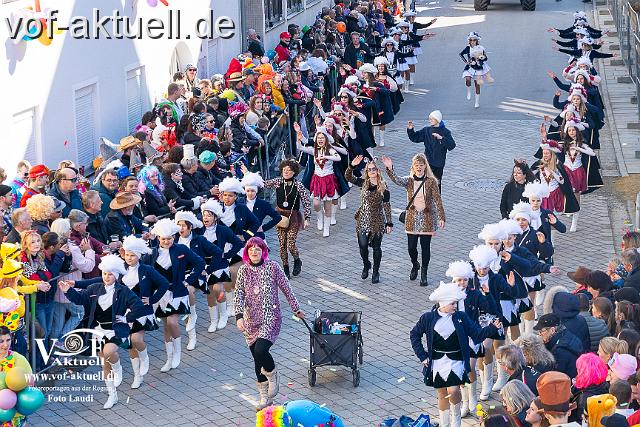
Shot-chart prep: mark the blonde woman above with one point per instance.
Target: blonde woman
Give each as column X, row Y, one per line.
column 516, row 398
column 539, row 359
column 610, row 345
column 40, row 208
column 373, row 217
column 424, row 214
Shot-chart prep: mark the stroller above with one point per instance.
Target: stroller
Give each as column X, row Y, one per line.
column 335, row 340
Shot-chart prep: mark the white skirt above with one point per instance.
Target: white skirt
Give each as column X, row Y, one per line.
column 417, row 51
column 475, row 73
column 411, row 60
column 403, row 66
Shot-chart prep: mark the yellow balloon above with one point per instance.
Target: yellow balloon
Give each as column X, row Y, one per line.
column 16, row 379
column 57, row 30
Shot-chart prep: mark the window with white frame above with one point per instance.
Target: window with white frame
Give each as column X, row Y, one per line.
column 273, row 13
column 24, row 134
column 294, row 6
column 85, row 100
column 137, row 96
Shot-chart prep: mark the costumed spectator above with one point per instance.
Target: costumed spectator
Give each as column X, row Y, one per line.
column 554, row 400
column 590, row 380
column 621, row 367
column 38, row 181
column 19, row 183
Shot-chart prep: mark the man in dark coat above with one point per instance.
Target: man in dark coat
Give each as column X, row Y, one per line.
column 356, row 51
column 97, row 225
column 121, row 221
column 565, row 347
column 567, row 307
column 107, row 187
column 254, row 44
column 631, row 262
column 65, row 188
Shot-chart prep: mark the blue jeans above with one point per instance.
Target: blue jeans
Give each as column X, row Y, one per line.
column 44, row 315
column 60, row 325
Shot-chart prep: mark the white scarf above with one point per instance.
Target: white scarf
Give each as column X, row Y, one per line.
column 106, row 300
column 228, row 215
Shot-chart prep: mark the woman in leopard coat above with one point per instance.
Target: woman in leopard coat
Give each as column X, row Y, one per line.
column 426, row 213
column 373, row 217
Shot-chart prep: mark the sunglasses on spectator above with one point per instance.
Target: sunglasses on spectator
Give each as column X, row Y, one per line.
column 210, row 121
column 192, row 69
column 69, row 179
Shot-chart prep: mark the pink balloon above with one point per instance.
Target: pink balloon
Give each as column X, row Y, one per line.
column 8, row 399
column 152, row 3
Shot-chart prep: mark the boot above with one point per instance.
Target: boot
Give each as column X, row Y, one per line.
column 477, row 104
column 489, row 78
column 381, row 139
column 116, row 373
column 113, row 395
column 488, row 381
column 327, row 225
column 365, row 270
column 574, row 222
column 177, row 352
column 297, row 266
column 377, row 258
column 169, row 348
column 456, row 419
column 528, row 326
column 473, row 397
column 443, row 418
column 137, row 378
column 263, row 389
column 406, row 87
column 503, row 378
column 274, row 382
column 320, row 217
column 468, row 93
column 193, row 317
column 286, row 271
column 334, row 209
column 193, row 339
column 224, row 316
column 464, row 412
column 423, row 276
column 414, row 270
column 229, row 301
column 375, row 277
column 144, row 362
column 411, row 82
column 343, row 203
column 213, row 316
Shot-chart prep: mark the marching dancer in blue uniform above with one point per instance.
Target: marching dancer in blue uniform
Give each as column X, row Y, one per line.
column 151, row 287
column 216, row 270
column 476, row 68
column 251, row 182
column 173, row 260
column 445, row 361
column 542, row 219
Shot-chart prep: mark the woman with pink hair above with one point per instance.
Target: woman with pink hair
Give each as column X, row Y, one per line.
column 258, row 314
column 591, row 380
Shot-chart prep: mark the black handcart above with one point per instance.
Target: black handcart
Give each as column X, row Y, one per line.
column 335, row 340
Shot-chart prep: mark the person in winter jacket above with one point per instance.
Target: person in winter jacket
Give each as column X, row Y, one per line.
column 567, row 307
column 565, row 346
column 591, row 380
column 597, row 328
column 538, row 360
column 282, row 49
column 631, row 262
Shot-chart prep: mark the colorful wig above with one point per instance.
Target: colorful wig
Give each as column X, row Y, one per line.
column 145, row 183
column 591, row 371
column 273, row 416
column 255, row 241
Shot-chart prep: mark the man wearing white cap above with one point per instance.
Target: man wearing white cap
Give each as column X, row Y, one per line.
column 437, row 141
column 446, row 359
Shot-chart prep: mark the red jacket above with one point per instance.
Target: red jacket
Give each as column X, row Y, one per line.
column 282, row 52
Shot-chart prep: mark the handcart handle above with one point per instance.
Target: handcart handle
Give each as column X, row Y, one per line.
column 307, row 325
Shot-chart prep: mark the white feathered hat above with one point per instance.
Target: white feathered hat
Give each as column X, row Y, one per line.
column 231, row 185
column 378, row 60
column 403, row 24
column 575, row 124
column 492, row 232
column 584, row 61
column 550, row 145
column 352, row 80
column 165, row 228
column 473, row 35
column 112, row 264
column 409, row 13
column 460, row 269
column 587, row 40
column 510, row 226
column 581, row 31
column 212, row 206
column 252, row 179
column 189, row 217
column 536, row 189
column 348, row 91
column 521, row 210
column 580, row 14
column 483, row 256
column 390, row 40
column 323, row 130
column 368, row 68
column 136, row 245
column 447, row 293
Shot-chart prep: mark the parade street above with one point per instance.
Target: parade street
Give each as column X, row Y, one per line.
column 215, row 384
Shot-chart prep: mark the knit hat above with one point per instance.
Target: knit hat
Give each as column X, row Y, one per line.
column 207, row 157
column 460, row 269
column 136, row 245
column 437, row 115
column 189, row 217
column 4, row 190
column 252, row 179
column 232, row 185
column 112, row 264
column 521, row 210
column 615, row 420
column 38, row 171
column 536, row 189
column 447, row 293
column 492, row 232
column 623, row 365
column 483, row 256
column 212, row 206
column 510, row 226
column 165, row 228
column 554, row 392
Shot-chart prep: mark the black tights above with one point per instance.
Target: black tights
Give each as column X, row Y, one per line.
column 425, row 243
column 363, row 243
column 262, row 358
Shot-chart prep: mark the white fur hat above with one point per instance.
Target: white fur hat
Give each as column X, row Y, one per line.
column 189, row 217
column 252, row 179
column 581, row 31
column 580, row 14
column 447, row 293
column 550, row 145
column 460, row 269
column 575, row 124
column 577, row 91
column 213, row 206
column 583, row 73
column 368, row 68
column 352, row 80
column 409, row 13
column 436, row 115
column 136, row 245
column 473, row 35
column 568, row 109
column 492, row 232
column 510, row 226
column 587, row 40
column 536, row 189
column 483, row 256
column 584, row 61
column 394, row 31
column 303, row 66
column 165, row 228
column 389, row 40
column 323, row 130
column 521, row 210
column 403, row 24
column 231, row 185
column 378, row 60
column 348, row 91
column 112, row 264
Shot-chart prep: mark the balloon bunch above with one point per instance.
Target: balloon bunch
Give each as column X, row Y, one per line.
column 39, row 24
column 154, row 3
column 273, row 416
column 481, row 413
column 17, row 398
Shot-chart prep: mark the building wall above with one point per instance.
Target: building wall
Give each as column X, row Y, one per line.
column 61, row 98
column 305, row 17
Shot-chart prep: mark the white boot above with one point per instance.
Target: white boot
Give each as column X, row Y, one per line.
column 274, row 382
column 229, row 301
column 473, row 397
column 528, row 326
column 443, row 418
column 456, row 419
column 193, row 339
column 169, row 348
column 113, row 395
column 327, row 226
column 411, row 82
column 320, row 217
column 468, row 93
column 263, row 389
column 116, row 373
column 574, row 222
column 488, row 381
column 503, row 379
column 406, row 87
column 343, row 203
column 381, row 139
column 477, row 104
column 464, row 390
column 224, row 317
column 137, row 378
column 177, row 352
column 213, row 316
column 193, row 317
column 334, row 209
column 144, row 362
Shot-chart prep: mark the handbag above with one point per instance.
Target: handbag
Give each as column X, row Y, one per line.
column 284, row 222
column 403, row 216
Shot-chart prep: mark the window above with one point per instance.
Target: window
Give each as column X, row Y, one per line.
column 85, row 120
column 137, row 98
column 212, row 57
column 23, row 134
column 294, row 6
column 273, row 13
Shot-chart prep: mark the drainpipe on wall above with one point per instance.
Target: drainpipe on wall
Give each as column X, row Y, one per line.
column 243, row 26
